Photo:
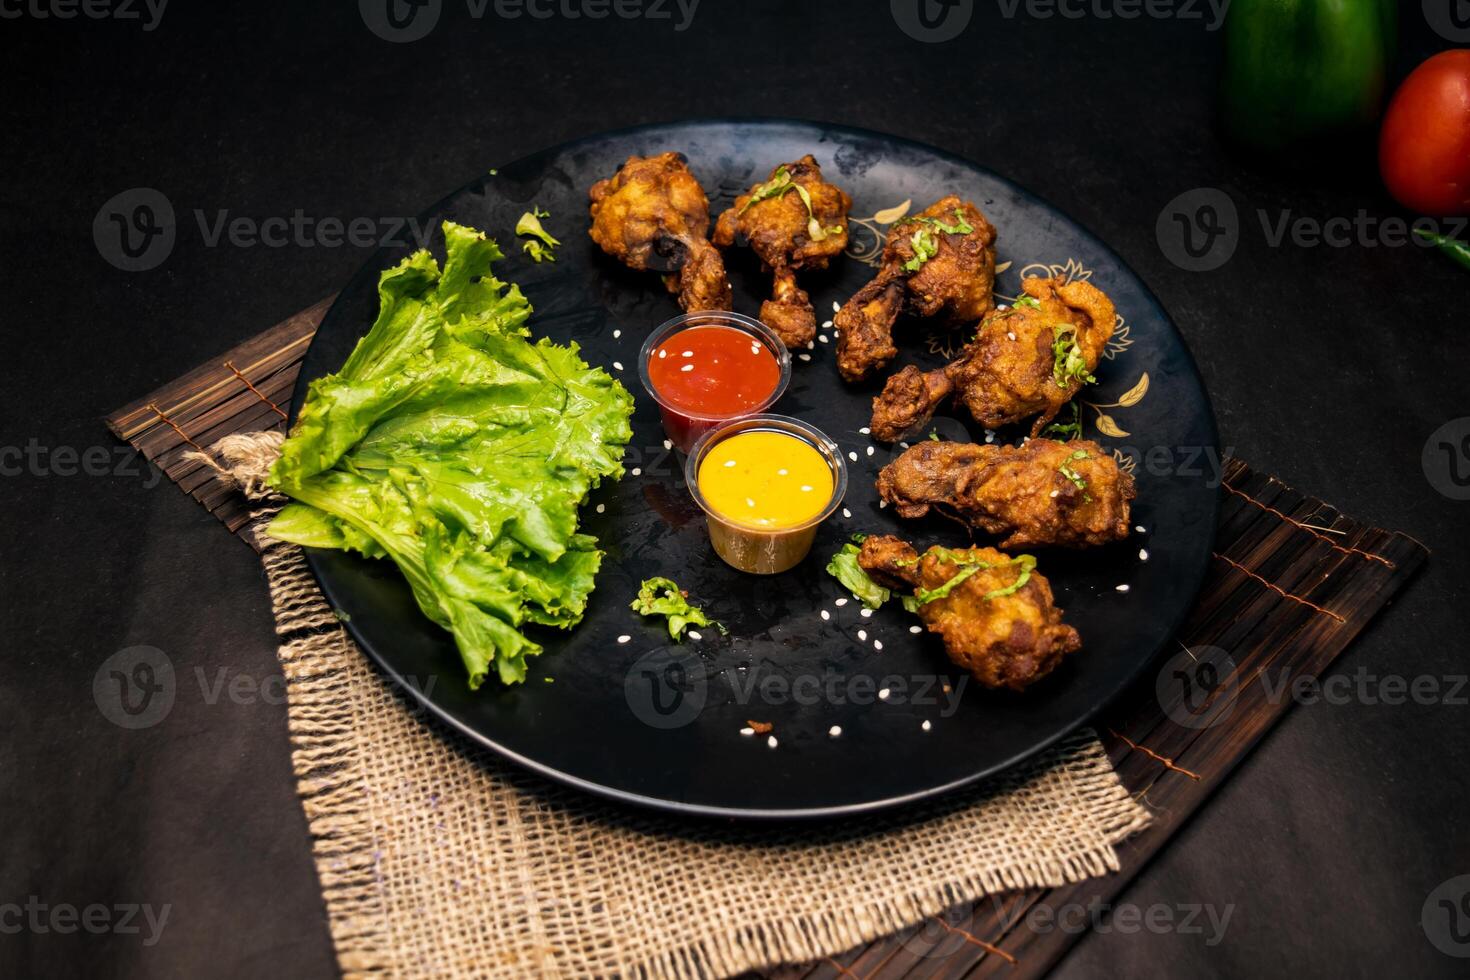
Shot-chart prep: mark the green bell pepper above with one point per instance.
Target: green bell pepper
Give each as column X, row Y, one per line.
column 1300, row 71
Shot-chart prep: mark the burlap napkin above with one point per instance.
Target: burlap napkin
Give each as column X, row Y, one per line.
column 437, row 858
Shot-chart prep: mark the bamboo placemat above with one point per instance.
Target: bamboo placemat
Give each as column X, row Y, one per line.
column 1292, row 583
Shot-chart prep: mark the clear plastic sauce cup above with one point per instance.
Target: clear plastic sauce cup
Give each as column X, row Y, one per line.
column 705, row 369
column 765, row 484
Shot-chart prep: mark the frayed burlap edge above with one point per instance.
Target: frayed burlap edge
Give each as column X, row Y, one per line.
column 325, row 682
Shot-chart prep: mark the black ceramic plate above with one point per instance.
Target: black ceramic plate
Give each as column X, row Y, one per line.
column 649, row 722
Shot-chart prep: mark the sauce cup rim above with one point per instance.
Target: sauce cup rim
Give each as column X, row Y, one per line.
column 787, row 425
column 735, row 321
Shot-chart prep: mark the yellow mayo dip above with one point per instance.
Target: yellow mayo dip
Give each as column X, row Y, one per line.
column 765, row 479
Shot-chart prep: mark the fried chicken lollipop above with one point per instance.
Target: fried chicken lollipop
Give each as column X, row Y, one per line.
column 1030, row 359
column 793, row 221
column 652, row 214
column 995, row 613
column 939, row 263
column 1044, row 493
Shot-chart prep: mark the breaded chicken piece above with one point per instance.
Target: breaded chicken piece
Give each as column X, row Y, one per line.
column 995, row 613
column 1041, row 494
column 939, row 263
column 795, row 220
column 1030, row 359
column 652, row 214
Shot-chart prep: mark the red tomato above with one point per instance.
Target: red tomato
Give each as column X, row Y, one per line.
column 1424, row 147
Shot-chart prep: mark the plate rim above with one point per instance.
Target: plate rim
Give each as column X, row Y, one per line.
column 373, row 266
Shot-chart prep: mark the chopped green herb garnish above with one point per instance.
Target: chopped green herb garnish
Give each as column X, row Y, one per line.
column 542, row 246
column 845, row 568
column 1066, row 469
column 960, row 226
column 926, row 246
column 934, row 435
column 661, row 597
column 1030, row 301
column 781, row 182
column 968, row 567
column 1068, row 364
column 1066, row 431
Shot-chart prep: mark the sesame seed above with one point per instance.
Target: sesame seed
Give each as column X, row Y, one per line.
column 877, row 644
column 804, row 357
column 916, row 629
column 841, row 602
column 755, row 348
column 826, row 324
column 1143, row 554
column 729, row 462
column 747, row 732
column 834, row 731
column 601, row 508
column 668, row 444
column 694, row 635
column 870, row 450
column 749, row 502
column 1010, row 336
column 687, row 367
column 823, row 338
column 926, row 726
column 836, row 307
column 637, row 471
column 624, row 638
column 846, row 512
column 782, row 472
column 805, row 488
column 826, row 615
column 866, row 612
column 1122, row 588
column 863, row 634
column 618, row 365
column 771, row 742
column 903, row 445
column 883, row 694
column 882, row 504
column 852, row 456
column 663, row 354
column 811, row 345
column 866, row 431
column 617, row 334
column 1139, row 528
column 687, row 353
column 1053, row 493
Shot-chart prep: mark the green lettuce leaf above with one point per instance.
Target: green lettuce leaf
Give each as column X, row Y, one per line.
column 454, row 445
column 845, row 568
column 661, row 597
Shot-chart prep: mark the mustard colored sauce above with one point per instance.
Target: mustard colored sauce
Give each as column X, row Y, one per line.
column 765, row 479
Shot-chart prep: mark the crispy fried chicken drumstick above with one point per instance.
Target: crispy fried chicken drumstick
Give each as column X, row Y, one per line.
column 995, row 613
column 793, row 221
column 1030, row 359
column 939, row 263
column 652, row 214
column 1041, row 494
